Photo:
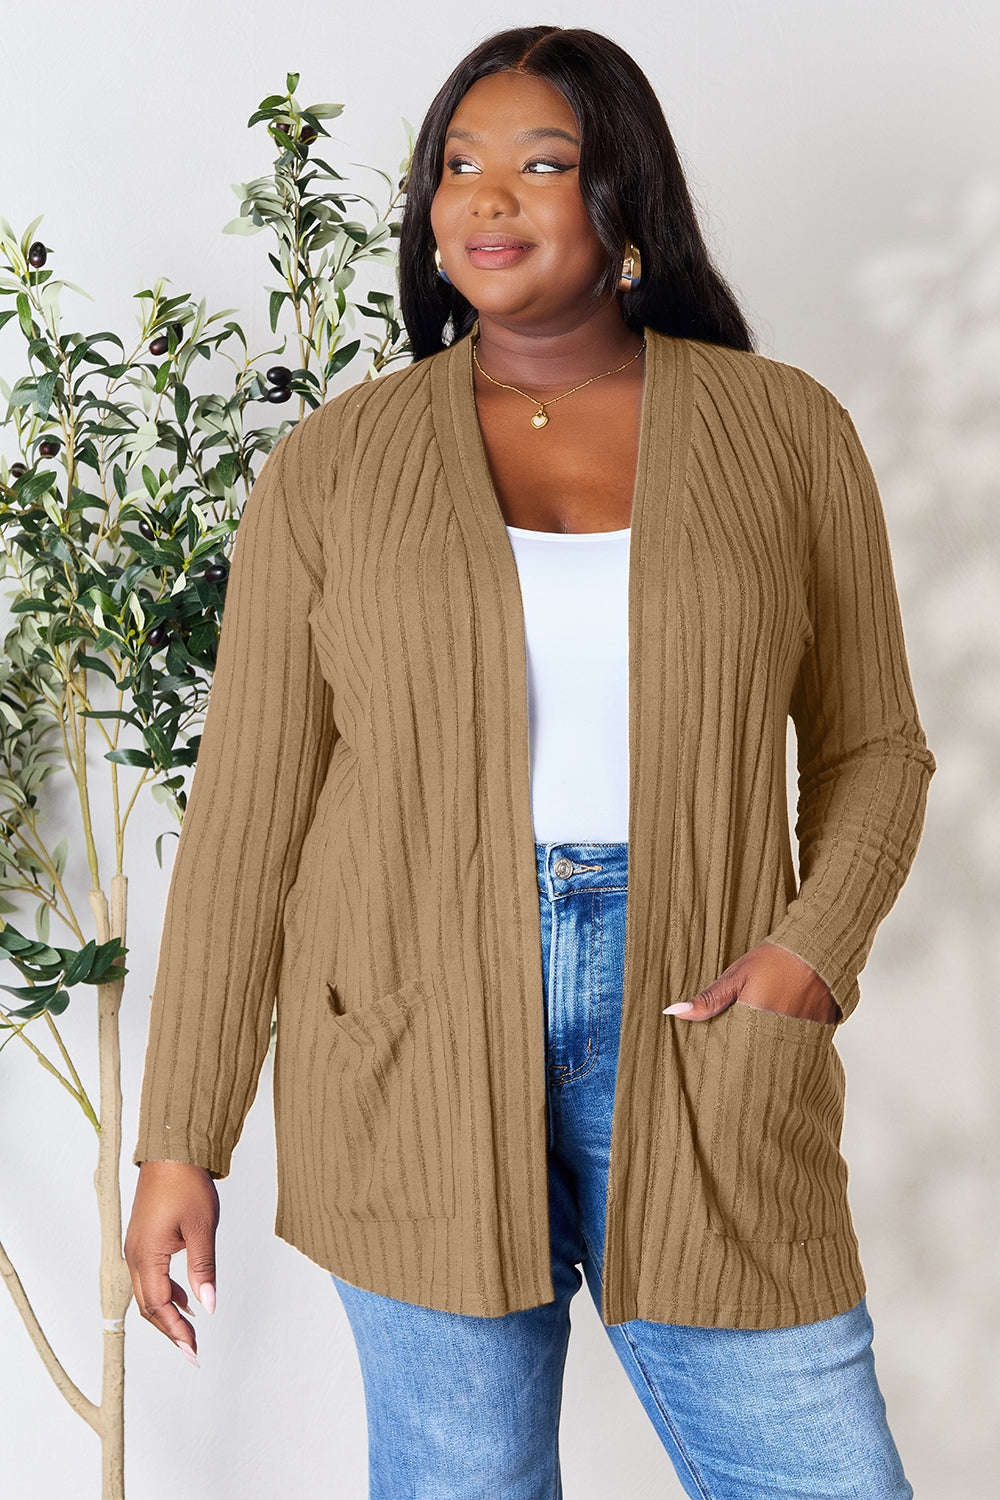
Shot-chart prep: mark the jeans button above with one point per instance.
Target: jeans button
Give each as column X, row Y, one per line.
column 563, row 868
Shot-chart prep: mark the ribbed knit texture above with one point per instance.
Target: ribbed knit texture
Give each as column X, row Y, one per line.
column 358, row 845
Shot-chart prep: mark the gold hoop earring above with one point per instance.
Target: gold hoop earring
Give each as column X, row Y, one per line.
column 440, row 268
column 631, row 268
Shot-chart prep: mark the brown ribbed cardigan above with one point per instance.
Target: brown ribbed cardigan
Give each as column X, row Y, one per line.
column 359, row 847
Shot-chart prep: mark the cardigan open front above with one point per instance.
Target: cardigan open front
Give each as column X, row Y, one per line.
column 358, row 847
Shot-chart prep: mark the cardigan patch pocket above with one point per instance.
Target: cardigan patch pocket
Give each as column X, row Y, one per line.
column 777, row 1085
column 394, row 1073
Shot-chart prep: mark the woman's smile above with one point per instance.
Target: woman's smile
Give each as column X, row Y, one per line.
column 495, row 251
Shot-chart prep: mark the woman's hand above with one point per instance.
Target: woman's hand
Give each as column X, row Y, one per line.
column 176, row 1207
column 769, row 977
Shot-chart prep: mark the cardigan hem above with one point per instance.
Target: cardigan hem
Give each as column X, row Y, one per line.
column 792, row 1313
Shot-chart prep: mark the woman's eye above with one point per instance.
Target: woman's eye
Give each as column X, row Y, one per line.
column 460, row 166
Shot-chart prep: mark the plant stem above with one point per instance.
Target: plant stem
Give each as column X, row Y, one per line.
column 79, row 728
column 79, row 1095
column 88, row 1108
column 80, row 1403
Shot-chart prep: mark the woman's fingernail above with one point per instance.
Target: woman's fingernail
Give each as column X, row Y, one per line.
column 680, row 1009
column 206, row 1296
column 188, row 1352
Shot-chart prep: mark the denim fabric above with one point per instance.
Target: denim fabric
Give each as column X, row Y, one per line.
column 467, row 1408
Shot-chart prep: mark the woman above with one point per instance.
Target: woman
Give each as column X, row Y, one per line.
column 511, row 633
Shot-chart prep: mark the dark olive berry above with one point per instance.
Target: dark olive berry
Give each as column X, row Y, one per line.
column 178, row 330
column 37, row 254
column 17, row 470
column 308, row 135
column 216, row 573
column 146, row 529
column 49, row 448
column 157, row 635
column 159, row 344
column 279, row 375
column 278, row 393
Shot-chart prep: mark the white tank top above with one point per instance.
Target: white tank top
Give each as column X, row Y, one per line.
column 574, row 589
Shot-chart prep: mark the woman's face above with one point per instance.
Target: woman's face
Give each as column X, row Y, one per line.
column 508, row 217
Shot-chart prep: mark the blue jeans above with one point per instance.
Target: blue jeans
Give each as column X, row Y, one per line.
column 467, row 1408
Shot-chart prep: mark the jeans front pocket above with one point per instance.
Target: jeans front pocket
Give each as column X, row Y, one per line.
column 775, row 1164
column 394, row 1098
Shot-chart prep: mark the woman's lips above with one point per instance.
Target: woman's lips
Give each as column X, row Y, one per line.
column 496, row 255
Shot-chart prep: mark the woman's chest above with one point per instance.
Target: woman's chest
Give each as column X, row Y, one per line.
column 577, row 473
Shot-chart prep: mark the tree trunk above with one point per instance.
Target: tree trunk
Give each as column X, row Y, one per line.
column 115, row 1281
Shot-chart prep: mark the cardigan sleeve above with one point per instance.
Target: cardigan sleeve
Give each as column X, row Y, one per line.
column 863, row 761
column 266, row 741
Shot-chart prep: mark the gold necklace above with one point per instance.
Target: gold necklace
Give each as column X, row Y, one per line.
column 540, row 417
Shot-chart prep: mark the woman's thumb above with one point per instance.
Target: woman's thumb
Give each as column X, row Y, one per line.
column 709, row 1002
column 201, row 1271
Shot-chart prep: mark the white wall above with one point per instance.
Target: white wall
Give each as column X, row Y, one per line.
column 847, row 160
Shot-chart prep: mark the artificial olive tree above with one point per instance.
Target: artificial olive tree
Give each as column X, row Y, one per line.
column 116, row 522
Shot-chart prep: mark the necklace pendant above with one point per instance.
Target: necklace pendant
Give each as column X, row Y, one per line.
column 541, row 418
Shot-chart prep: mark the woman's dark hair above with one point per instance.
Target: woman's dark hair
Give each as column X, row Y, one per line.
column 630, row 178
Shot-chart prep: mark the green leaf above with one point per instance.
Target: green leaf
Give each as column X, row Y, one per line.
column 277, row 298
column 44, row 393
column 34, row 486
column 342, row 357
column 29, row 235
column 47, row 997
column 24, row 315
column 324, row 111
column 96, row 664
column 24, row 991
column 182, row 401
column 171, row 833
column 292, row 82
column 242, row 225
column 78, row 967
column 14, row 941
column 30, row 606
column 130, row 757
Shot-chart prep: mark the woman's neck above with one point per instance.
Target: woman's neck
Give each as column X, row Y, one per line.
column 545, row 358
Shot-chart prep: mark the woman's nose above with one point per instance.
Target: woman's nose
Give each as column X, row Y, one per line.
column 492, row 200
